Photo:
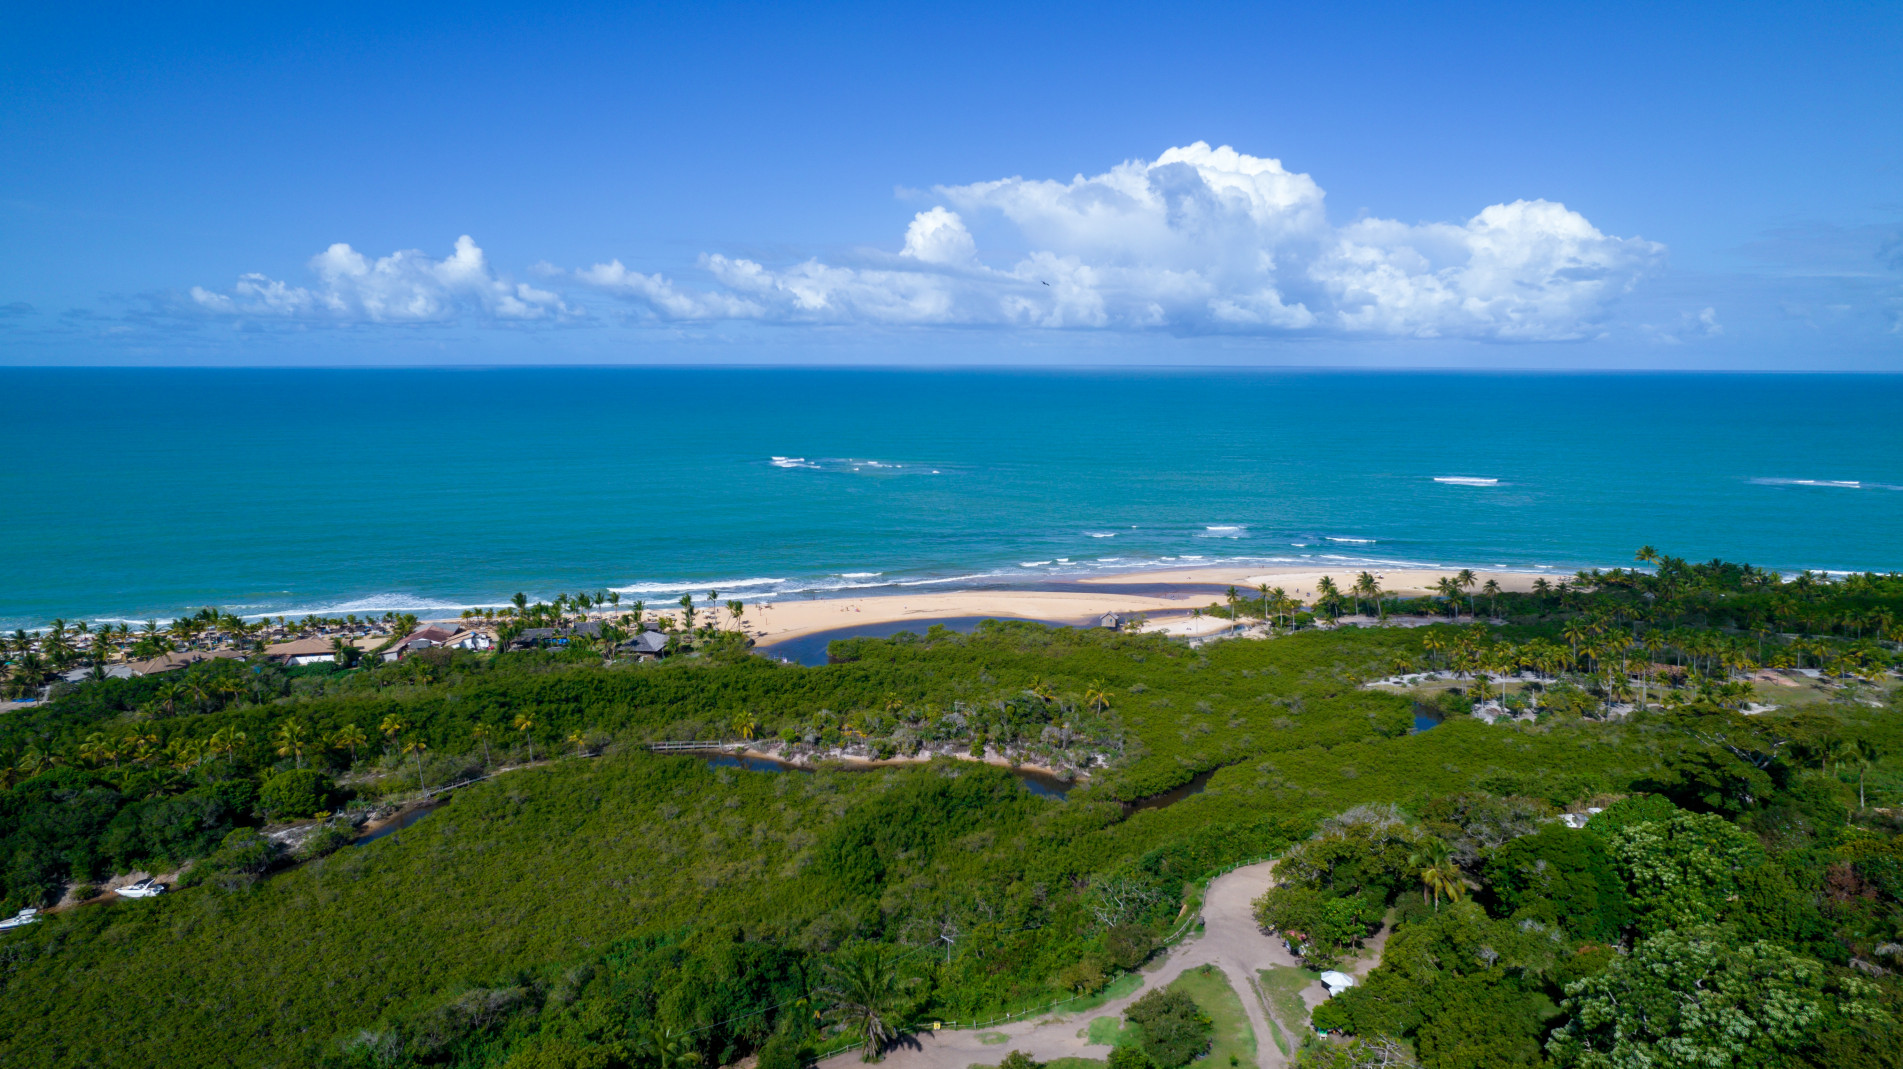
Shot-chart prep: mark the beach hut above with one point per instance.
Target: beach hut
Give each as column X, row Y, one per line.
column 427, row 638
column 470, row 640
column 531, row 637
column 300, row 652
column 172, row 662
column 1111, row 621
column 648, row 645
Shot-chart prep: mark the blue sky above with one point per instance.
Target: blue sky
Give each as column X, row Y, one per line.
column 1168, row 184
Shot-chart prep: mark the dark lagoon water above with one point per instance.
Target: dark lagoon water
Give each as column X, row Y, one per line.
column 402, row 821
column 1168, row 798
column 810, row 649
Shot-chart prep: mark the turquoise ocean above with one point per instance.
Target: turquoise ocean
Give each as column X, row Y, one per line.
column 135, row 494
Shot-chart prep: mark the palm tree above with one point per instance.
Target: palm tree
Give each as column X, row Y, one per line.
column 291, row 736
column 1647, row 555
column 1329, row 598
column 391, row 727
column 866, row 988
column 1465, row 581
column 167, row 696
column 98, row 750
column 1364, row 588
column 226, row 740
column 417, row 746
column 1096, row 696
column 1863, row 752
column 736, row 609
column 1492, row 591
column 520, row 601
column 526, row 724
column 1450, row 589
column 746, row 725
column 483, row 733
column 667, row 1048
column 349, row 737
column 687, row 612
column 1264, row 591
column 1439, row 874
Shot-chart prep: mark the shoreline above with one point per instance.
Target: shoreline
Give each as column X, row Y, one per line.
column 1167, row 610
column 998, row 581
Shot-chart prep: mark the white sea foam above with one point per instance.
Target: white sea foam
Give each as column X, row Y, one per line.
column 1830, row 484
column 374, row 605
column 1356, row 541
column 1033, row 563
column 1100, row 534
column 1225, row 528
column 859, row 575
column 1465, row 480
column 949, row 579
column 699, row 584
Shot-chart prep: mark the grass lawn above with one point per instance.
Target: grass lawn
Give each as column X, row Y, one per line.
column 1233, row 1041
column 1282, row 986
column 1126, row 984
column 1109, row 1032
column 1074, row 1063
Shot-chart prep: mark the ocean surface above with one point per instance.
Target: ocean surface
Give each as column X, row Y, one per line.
column 137, row 494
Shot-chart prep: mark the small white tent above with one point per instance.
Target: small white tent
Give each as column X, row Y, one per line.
column 1337, row 982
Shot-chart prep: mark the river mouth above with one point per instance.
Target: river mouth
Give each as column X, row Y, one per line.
column 1040, row 783
column 810, row 649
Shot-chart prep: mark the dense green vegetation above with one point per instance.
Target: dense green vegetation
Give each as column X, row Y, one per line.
column 603, row 906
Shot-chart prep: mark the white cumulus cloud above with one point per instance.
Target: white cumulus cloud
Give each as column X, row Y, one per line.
column 403, row 287
column 1198, row 240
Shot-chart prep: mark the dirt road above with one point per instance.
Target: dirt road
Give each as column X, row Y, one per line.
column 1230, row 941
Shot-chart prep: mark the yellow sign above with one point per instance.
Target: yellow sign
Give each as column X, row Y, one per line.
column 934, row 1026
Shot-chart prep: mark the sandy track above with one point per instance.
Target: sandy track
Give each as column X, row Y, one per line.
column 1230, row 941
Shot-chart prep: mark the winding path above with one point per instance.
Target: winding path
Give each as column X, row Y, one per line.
column 1231, row 941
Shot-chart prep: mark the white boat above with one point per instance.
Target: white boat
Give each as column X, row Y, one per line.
column 146, row 888
column 21, row 919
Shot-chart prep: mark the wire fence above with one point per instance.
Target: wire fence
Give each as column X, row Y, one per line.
column 1201, row 886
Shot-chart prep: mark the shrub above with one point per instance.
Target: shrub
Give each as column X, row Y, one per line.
column 1128, row 945
column 298, row 793
column 1175, row 1030
column 326, row 841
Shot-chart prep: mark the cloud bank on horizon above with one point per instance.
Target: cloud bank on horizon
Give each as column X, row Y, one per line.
column 1200, row 240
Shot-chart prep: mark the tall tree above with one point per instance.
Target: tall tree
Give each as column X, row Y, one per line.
column 867, row 991
column 526, row 725
column 292, row 736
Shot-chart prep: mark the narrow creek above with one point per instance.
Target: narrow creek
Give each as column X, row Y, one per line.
column 1042, row 784
column 402, row 820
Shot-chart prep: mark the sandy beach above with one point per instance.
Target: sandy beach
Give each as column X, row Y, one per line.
column 1167, row 608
